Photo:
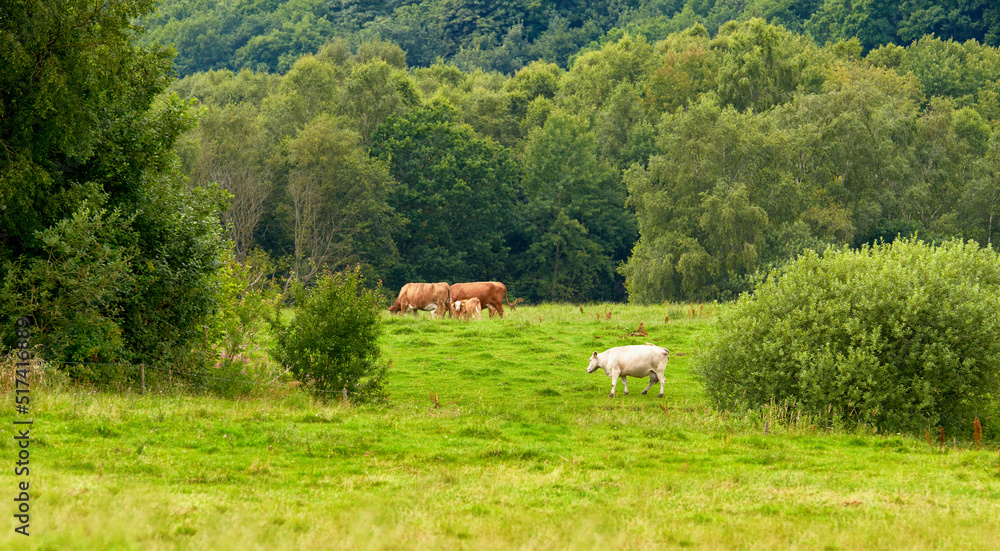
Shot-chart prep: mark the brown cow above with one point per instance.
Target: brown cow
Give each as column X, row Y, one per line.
column 490, row 294
column 435, row 297
column 466, row 308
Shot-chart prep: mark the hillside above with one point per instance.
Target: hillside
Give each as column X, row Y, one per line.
column 506, row 36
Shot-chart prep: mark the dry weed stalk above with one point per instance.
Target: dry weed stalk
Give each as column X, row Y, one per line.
column 927, row 436
column 434, row 398
column 941, row 439
column 640, row 332
column 977, row 433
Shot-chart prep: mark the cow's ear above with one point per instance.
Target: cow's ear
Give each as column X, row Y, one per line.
column 594, row 355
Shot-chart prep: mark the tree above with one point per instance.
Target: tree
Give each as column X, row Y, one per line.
column 337, row 196
column 713, row 191
column 958, row 20
column 83, row 139
column 595, row 75
column 574, row 218
column 57, row 88
column 418, row 29
column 310, row 89
column 873, row 22
column 233, row 156
column 760, row 65
column 734, row 229
column 961, row 71
column 686, row 71
column 977, row 213
column 74, row 292
column 372, row 92
column 456, row 191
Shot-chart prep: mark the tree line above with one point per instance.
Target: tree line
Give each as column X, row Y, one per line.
column 269, row 35
column 683, row 166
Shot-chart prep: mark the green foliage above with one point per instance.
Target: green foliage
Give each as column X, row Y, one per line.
column 760, row 65
column 339, row 200
column 900, row 336
column 236, row 330
column 73, row 294
column 574, row 220
column 330, row 344
column 374, row 91
column 504, row 37
column 738, row 151
column 456, row 191
column 85, row 135
column 72, row 82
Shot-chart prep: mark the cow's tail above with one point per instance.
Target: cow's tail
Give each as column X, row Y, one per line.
column 667, row 352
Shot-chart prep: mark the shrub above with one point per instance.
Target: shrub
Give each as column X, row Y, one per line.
column 71, row 294
column 236, row 330
column 330, row 344
column 902, row 336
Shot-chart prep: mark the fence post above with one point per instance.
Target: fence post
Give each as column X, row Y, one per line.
column 142, row 376
column 345, row 394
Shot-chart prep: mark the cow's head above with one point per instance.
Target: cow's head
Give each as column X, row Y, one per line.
column 595, row 363
column 456, row 306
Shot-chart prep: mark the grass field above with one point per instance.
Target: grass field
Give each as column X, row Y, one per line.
column 521, row 449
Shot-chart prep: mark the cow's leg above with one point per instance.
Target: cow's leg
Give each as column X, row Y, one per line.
column 652, row 379
column 660, row 376
column 614, row 382
column 625, row 383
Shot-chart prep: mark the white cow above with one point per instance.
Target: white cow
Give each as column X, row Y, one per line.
column 636, row 360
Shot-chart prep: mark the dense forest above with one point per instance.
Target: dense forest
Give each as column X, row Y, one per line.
column 269, row 35
column 577, row 151
column 683, row 165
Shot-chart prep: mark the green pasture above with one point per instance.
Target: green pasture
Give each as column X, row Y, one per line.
column 495, row 438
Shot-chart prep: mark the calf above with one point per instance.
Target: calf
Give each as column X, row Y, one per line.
column 491, row 294
column 636, row 360
column 468, row 307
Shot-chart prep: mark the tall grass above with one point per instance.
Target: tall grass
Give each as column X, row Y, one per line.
column 521, row 449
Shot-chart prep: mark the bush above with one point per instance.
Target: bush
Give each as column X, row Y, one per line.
column 71, row 294
column 902, row 336
column 235, row 333
column 330, row 344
